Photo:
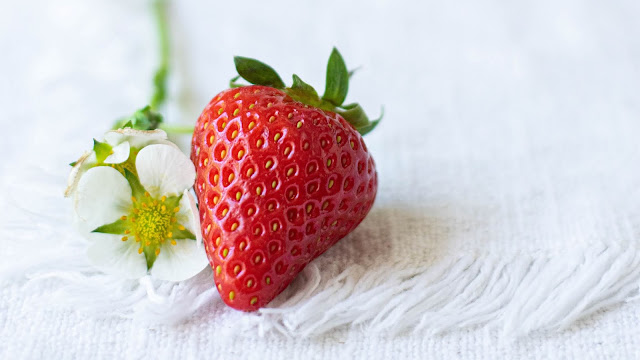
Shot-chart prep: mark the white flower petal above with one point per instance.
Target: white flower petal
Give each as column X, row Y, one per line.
column 115, row 138
column 188, row 215
column 167, row 142
column 102, row 196
column 136, row 138
column 164, row 170
column 114, row 256
column 86, row 161
column 120, row 153
column 179, row 262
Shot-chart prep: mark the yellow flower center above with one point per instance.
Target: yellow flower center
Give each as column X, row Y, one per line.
column 153, row 222
column 129, row 165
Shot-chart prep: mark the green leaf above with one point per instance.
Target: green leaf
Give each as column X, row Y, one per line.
column 146, row 119
column 303, row 92
column 72, row 164
column 137, row 190
column 102, row 150
column 116, row 228
column 183, row 234
column 366, row 129
column 351, row 72
column 257, row 73
column 355, row 115
column 142, row 119
column 303, row 87
column 233, row 83
column 173, row 201
column 150, row 255
column 337, row 84
column 350, row 106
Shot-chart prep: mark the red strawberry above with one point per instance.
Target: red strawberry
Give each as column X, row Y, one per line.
column 281, row 177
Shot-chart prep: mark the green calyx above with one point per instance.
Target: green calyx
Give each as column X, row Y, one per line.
column 143, row 119
column 335, row 93
column 102, row 150
column 148, row 119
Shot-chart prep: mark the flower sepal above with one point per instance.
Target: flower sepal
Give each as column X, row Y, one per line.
column 142, row 119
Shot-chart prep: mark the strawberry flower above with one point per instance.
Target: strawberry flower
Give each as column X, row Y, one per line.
column 137, row 211
column 114, row 151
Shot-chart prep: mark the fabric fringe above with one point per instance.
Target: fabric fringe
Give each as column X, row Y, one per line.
column 517, row 295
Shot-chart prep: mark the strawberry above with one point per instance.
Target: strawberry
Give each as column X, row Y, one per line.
column 282, row 175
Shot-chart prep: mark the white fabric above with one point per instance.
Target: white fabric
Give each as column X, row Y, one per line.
column 508, row 198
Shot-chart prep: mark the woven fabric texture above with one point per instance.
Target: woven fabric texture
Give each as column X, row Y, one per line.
column 507, row 222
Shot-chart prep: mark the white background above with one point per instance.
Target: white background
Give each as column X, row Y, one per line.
column 509, row 129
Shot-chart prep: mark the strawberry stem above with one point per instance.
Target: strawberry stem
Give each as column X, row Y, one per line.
column 177, row 129
column 160, row 78
column 149, row 118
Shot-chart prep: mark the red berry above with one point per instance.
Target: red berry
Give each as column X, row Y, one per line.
column 278, row 183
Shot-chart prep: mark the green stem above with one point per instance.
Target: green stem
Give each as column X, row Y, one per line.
column 176, row 129
column 160, row 76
